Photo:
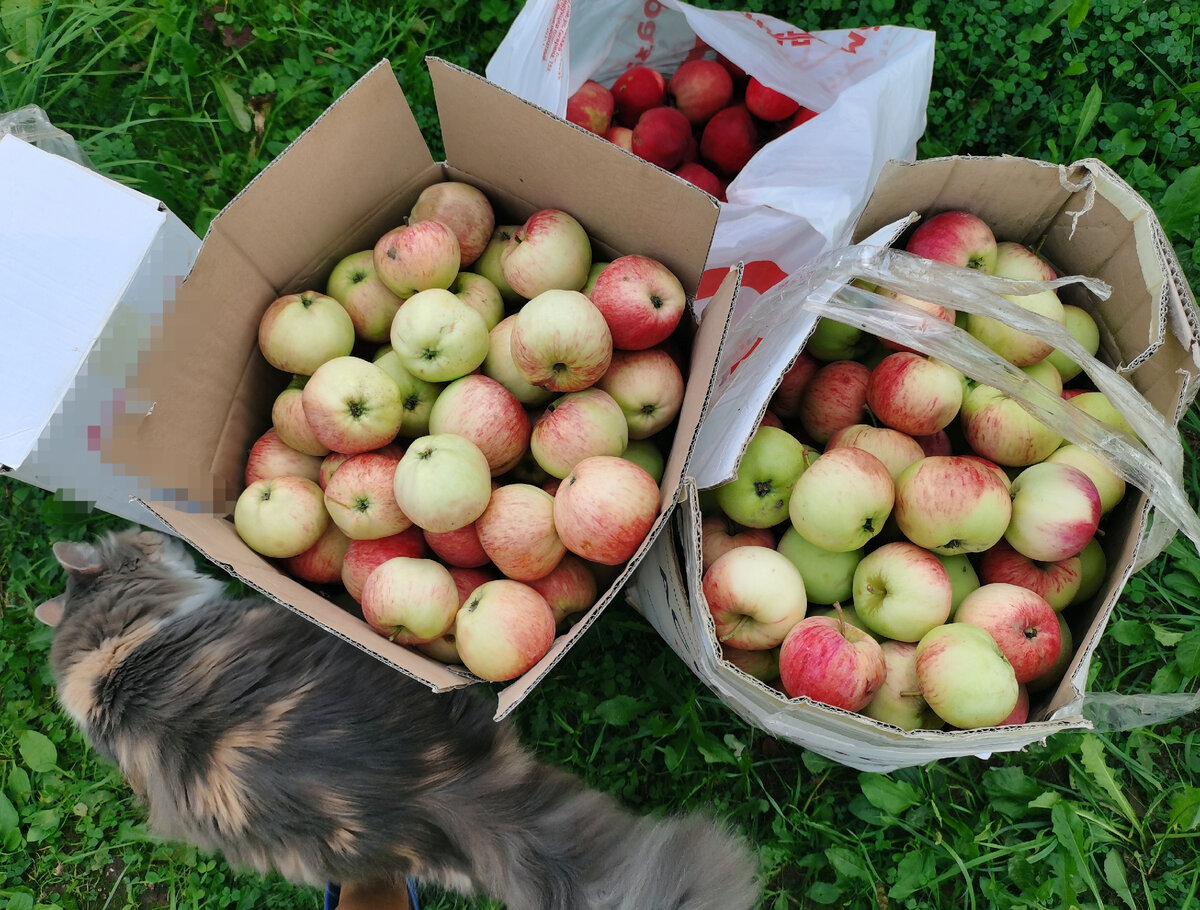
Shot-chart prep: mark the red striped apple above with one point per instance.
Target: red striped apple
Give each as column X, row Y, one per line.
column 516, row 530
column 965, row 677
column 641, row 300
column 560, row 341
column 1023, row 624
column 1055, row 511
column 503, row 629
column 952, row 504
column 485, row 412
column 281, row 516
column 355, row 284
column 755, row 595
column 416, row 257
column 604, row 509
column 409, row 600
column 551, row 250
column 360, row 500
column 463, row 208
column 830, row 661
column 352, row 405
column 842, row 500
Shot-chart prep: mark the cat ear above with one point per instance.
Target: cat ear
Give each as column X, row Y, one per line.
column 78, row 558
column 50, row 612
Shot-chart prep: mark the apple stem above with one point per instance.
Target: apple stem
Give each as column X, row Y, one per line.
column 841, row 617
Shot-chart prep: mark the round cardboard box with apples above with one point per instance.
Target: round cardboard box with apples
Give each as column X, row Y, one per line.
column 474, row 432
column 940, row 533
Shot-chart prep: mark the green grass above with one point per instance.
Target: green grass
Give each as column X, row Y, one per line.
column 187, row 106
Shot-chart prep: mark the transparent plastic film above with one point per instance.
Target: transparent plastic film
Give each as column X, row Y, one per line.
column 31, row 124
column 1153, row 462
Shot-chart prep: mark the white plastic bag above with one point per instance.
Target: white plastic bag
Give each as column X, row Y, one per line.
column 802, row 193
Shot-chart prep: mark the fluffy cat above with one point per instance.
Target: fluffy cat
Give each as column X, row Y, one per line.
column 247, row 730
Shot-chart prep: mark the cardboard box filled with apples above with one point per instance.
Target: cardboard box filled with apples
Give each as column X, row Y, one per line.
column 894, row 560
column 446, row 407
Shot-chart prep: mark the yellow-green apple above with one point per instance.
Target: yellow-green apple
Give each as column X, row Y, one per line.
column 835, row 397
column 1066, row 653
column 463, row 208
column 329, row 464
column 965, row 677
column 481, row 295
column 645, row 453
column 755, row 596
column 1023, row 624
column 1109, row 484
column 371, row 304
column 593, row 274
column 831, row 341
column 895, row 449
column 952, row 504
column 914, row 394
column 998, row 427
column 762, row 665
column 443, row 482
column 604, row 509
column 569, row 588
column 363, row 556
column 591, row 106
column 956, row 237
column 516, row 530
column 321, row 564
column 352, row 405
column 830, row 661
column 767, row 103
column 280, row 516
column 963, row 577
column 1098, row 405
column 416, row 257
column 641, row 300
column 899, row 701
column 438, row 337
column 648, row 386
column 458, row 548
column 662, row 136
column 551, row 250
column 828, row 575
column 560, row 341
column 1093, row 567
column 1083, row 328
column 299, row 332
column 1042, row 372
column 575, row 426
column 1019, row 348
column 1016, row 260
column 758, row 496
column 488, row 414
column 719, row 534
column 288, row 420
column 499, row 365
column 1055, row 582
column 360, row 500
column 488, row 264
column 842, row 499
column 901, row 591
column 409, row 600
column 637, row 90
column 503, row 628
column 699, row 88
column 444, row 648
column 416, row 395
column 270, row 456
column 1055, row 511
column 785, row 400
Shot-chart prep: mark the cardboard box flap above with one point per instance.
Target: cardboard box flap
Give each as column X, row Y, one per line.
column 98, row 233
column 623, row 211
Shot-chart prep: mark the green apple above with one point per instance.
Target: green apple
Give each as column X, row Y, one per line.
column 842, row 500
column 964, row 676
column 828, row 576
column 1083, row 329
column 758, row 496
column 438, row 336
column 963, row 577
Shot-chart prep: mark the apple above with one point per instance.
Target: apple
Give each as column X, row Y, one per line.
column 729, row 140
column 360, row 500
column 830, row 661
column 761, row 665
column 416, row 395
column 444, row 648
column 635, row 91
column 1017, row 347
column 648, row 386
column 321, row 564
column 299, row 332
column 835, row 397
column 270, row 457
column 646, row 454
column 1055, row 582
column 1023, row 624
column 438, row 337
column 755, row 595
column 362, row 556
column 550, row 251
column 699, row 88
column 409, row 600
column 416, row 257
column 503, row 629
column 702, row 178
column 828, row 575
column 459, row 548
column 963, row 577
column 952, row 504
column 1098, row 405
column 560, row 341
column 719, row 534
column 1020, row 713
column 591, row 106
column 488, row 263
column 329, row 464
column 936, row 443
column 895, row 449
column 771, row 464
column 957, row 237
column 901, row 591
column 479, row 294
column 1093, row 568
column 575, row 426
column 914, row 394
column 516, row 530
column 899, row 701
column 785, row 400
column 934, row 309
column 463, row 208
column 443, row 482
column 768, row 104
column 352, row 405
column 1083, row 329
column 355, row 284
column 621, row 136
column 488, row 414
column 831, row 341
column 604, row 509
column 641, row 300
column 661, row 137
column 842, row 500
column 288, row 420
column 965, row 677
column 1017, row 261
column 569, row 588
column 999, row 428
column 499, row 365
column 1066, row 653
column 281, row 516
column 1055, row 511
